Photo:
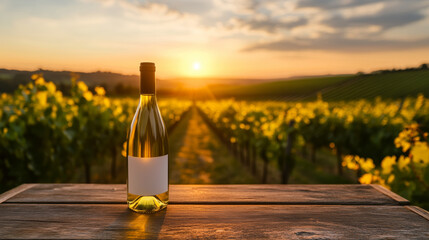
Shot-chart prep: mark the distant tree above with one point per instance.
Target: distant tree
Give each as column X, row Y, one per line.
column 424, row 66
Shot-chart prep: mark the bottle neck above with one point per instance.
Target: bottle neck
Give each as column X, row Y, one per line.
column 148, row 100
column 147, row 82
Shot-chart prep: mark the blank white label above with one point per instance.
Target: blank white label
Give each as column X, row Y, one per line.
column 147, row 176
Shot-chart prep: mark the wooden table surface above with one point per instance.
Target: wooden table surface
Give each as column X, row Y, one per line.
column 99, row 211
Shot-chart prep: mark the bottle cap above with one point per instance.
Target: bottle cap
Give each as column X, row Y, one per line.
column 147, row 67
column 147, row 78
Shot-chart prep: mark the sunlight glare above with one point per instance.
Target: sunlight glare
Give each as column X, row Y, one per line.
column 197, row 66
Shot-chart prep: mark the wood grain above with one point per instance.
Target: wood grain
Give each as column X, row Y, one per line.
column 419, row 211
column 353, row 194
column 8, row 194
column 115, row 221
column 387, row 192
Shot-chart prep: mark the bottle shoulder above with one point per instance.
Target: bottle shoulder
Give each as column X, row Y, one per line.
column 148, row 119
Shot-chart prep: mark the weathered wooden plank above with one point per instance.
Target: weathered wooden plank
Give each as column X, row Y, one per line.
column 72, row 193
column 394, row 196
column 8, row 194
column 353, row 194
column 419, row 211
column 115, row 221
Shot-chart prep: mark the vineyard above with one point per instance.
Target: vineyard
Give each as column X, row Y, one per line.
column 48, row 137
column 384, row 142
column 388, row 84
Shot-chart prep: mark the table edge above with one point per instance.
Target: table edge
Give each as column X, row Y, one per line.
column 16, row 190
column 419, row 211
column 400, row 200
column 23, row 187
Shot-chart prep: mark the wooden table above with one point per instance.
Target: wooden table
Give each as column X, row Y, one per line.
column 96, row 211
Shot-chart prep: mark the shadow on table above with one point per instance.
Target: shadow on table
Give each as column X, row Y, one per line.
column 134, row 225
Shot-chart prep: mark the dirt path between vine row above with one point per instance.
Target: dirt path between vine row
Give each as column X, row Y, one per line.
column 198, row 156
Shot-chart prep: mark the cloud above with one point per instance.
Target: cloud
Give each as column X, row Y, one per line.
column 196, row 7
column 340, row 44
column 264, row 17
column 338, row 25
column 355, row 25
column 161, row 11
column 386, row 21
column 106, row 3
column 388, row 15
column 238, row 7
column 270, row 25
column 331, row 4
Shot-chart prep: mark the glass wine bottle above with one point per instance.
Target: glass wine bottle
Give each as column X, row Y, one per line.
column 147, row 150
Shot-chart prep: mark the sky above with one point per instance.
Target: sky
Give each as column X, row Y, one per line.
column 215, row 38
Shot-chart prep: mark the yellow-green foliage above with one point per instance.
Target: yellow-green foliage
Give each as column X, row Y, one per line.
column 406, row 174
column 47, row 137
column 365, row 131
column 364, row 128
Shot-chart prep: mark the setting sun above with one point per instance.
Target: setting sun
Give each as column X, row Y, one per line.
column 196, row 66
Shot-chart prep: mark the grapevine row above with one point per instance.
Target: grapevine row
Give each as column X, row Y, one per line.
column 47, row 137
column 360, row 128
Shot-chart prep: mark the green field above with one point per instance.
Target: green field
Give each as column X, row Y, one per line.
column 396, row 84
column 386, row 85
column 289, row 89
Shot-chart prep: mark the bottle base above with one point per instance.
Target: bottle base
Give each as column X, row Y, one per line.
column 146, row 204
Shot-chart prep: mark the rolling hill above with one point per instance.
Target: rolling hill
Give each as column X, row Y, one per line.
column 388, row 84
column 286, row 89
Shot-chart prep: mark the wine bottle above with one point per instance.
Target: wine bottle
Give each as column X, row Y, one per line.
column 147, row 150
